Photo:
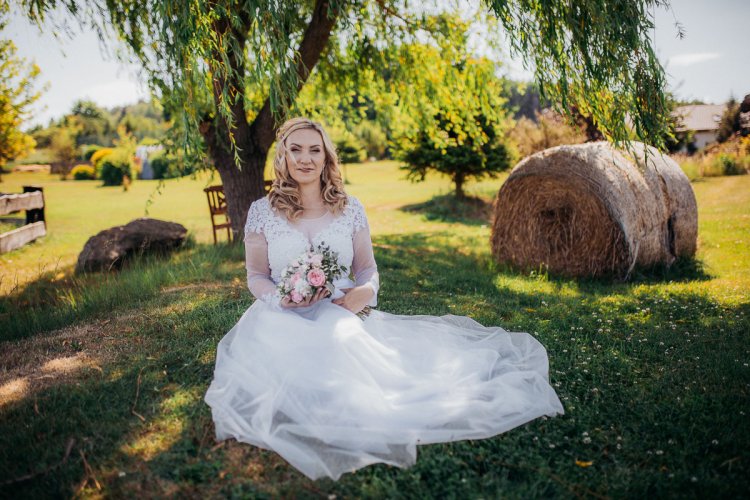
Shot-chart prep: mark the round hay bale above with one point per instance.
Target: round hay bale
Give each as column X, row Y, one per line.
column 593, row 210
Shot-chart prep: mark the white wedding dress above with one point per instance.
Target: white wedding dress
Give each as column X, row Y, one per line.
column 332, row 393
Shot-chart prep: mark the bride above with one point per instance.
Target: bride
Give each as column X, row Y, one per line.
column 331, row 390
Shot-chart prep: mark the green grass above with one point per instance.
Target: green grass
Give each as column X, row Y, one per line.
column 653, row 373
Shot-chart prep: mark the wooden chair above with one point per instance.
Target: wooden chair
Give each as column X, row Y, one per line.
column 217, row 206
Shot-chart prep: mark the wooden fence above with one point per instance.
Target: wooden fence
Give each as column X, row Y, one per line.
column 32, row 201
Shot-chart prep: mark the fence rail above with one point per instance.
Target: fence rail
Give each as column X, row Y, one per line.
column 32, row 201
column 10, row 203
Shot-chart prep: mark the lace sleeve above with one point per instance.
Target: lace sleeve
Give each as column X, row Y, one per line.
column 357, row 214
column 256, row 259
column 257, row 217
column 364, row 267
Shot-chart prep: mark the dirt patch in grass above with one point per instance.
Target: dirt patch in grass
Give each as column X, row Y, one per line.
column 64, row 356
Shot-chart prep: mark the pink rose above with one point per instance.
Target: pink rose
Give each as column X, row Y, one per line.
column 296, row 297
column 316, row 260
column 295, row 278
column 316, row 277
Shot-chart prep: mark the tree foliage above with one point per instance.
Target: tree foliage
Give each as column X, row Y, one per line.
column 596, row 55
column 17, row 94
column 471, row 158
column 90, row 124
column 230, row 71
column 456, row 121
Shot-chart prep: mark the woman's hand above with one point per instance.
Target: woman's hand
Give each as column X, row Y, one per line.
column 355, row 299
column 288, row 303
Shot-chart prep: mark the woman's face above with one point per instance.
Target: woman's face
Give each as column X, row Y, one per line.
column 306, row 156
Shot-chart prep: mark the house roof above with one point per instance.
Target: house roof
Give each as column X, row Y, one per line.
column 700, row 116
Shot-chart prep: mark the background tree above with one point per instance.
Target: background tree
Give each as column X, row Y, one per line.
column 232, row 70
column 65, row 151
column 730, row 120
column 470, row 158
column 676, row 137
column 91, row 123
column 17, row 80
column 456, row 122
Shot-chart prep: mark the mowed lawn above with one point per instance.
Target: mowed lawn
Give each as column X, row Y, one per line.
column 77, row 210
column 102, row 376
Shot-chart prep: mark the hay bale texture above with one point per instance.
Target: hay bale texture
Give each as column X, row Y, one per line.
column 593, row 210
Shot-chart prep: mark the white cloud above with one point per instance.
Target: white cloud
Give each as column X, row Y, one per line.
column 114, row 93
column 693, row 58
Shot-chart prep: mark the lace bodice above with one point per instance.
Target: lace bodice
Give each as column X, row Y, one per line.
column 272, row 241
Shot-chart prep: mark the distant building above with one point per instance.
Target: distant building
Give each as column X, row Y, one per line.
column 702, row 119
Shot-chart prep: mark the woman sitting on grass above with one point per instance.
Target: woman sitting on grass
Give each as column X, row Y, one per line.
column 312, row 373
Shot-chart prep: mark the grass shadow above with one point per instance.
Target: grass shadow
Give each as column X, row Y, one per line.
column 683, row 270
column 470, row 210
column 651, row 402
column 53, row 301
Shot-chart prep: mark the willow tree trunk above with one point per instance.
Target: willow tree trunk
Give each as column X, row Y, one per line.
column 243, row 183
column 242, row 186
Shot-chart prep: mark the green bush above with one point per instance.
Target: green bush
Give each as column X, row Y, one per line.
column 83, row 172
column 167, row 165
column 729, row 165
column 115, row 166
column 96, row 160
column 88, row 151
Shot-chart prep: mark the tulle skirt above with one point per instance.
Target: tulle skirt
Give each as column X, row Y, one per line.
column 332, row 393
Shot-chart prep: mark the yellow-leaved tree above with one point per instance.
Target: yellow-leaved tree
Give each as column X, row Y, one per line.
column 17, row 93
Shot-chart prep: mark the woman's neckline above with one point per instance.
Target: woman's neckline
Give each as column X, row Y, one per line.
column 315, row 218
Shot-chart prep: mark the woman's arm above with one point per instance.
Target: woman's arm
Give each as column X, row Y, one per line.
column 364, row 267
column 365, row 271
column 258, row 270
column 259, row 276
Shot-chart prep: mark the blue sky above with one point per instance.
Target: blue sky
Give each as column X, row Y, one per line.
column 707, row 64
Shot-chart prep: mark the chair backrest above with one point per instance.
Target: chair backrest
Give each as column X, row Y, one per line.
column 217, row 203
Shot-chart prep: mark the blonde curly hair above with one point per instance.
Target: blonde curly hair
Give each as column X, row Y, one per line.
column 284, row 195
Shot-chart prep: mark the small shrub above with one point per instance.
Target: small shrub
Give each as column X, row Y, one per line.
column 88, row 151
column 167, row 165
column 83, row 173
column 115, row 166
column 729, row 158
column 96, row 159
column 729, row 165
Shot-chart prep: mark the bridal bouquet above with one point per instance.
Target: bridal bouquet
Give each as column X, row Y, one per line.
column 308, row 273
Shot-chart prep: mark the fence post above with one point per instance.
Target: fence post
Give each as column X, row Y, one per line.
column 36, row 214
